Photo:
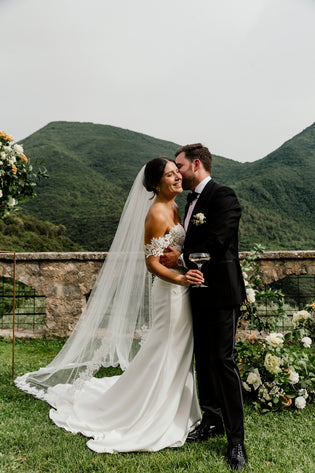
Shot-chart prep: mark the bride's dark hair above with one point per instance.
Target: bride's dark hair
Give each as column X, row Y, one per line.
column 153, row 173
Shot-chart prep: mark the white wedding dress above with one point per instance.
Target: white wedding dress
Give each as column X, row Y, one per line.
column 153, row 404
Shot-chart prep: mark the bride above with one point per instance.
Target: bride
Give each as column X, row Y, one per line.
column 143, row 327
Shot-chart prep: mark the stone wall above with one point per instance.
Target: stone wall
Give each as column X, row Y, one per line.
column 66, row 279
column 275, row 265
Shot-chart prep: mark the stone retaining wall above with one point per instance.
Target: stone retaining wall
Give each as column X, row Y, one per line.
column 66, row 279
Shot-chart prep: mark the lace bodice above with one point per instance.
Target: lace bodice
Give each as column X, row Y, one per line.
column 175, row 237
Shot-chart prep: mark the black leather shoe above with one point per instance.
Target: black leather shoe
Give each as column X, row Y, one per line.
column 204, row 432
column 237, row 457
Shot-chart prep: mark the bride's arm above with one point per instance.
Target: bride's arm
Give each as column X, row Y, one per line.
column 156, row 227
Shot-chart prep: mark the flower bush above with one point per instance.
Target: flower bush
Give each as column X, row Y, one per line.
column 277, row 376
column 17, row 177
column 277, row 370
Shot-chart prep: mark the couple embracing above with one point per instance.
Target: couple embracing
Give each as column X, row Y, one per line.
column 153, row 404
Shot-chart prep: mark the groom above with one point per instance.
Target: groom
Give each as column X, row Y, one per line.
column 211, row 222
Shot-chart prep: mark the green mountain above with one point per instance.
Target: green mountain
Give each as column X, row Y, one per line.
column 91, row 169
column 277, row 193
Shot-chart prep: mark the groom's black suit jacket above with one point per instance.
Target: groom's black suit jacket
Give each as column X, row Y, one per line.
column 219, row 237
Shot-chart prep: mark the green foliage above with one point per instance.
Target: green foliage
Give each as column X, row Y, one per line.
column 92, row 167
column 26, row 233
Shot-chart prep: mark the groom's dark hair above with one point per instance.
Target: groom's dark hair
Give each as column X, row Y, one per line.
column 197, row 151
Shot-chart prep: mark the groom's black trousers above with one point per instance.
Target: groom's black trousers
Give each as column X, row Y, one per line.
column 219, row 385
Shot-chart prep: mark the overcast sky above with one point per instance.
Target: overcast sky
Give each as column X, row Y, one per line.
column 237, row 75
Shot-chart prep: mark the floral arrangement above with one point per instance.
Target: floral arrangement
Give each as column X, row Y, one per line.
column 199, row 219
column 277, row 370
column 16, row 175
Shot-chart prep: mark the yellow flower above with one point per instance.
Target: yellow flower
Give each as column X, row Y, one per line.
column 24, row 158
column 14, row 169
column 313, row 305
column 5, row 136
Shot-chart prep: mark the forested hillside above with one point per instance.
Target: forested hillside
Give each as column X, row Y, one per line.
column 92, row 167
column 277, row 193
column 27, row 233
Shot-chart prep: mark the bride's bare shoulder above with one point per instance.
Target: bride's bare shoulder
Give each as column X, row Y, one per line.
column 156, row 222
column 157, row 213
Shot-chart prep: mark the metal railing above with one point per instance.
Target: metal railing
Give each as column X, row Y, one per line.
column 298, row 290
column 30, row 307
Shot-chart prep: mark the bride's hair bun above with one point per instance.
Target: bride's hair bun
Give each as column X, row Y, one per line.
column 153, row 173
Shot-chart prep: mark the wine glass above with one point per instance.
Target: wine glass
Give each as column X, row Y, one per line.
column 199, row 259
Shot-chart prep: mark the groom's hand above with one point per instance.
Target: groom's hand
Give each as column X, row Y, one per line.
column 169, row 258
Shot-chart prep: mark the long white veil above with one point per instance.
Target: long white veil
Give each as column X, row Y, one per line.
column 108, row 332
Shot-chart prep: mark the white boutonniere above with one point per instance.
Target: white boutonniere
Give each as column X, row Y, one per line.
column 199, row 219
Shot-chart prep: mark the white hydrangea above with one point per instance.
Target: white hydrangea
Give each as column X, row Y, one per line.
column 275, row 339
column 300, row 402
column 273, row 363
column 1, row 193
column 293, row 377
column 250, row 294
column 307, row 342
column 254, row 378
column 300, row 317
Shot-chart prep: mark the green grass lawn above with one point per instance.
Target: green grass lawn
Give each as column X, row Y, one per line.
column 29, row 441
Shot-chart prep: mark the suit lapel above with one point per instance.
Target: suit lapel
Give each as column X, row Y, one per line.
column 205, row 195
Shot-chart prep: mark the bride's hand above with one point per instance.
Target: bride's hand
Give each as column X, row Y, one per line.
column 193, row 276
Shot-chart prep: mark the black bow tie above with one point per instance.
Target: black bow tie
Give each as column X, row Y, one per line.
column 192, row 196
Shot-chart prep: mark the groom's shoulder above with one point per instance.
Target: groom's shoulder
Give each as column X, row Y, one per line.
column 214, row 186
column 217, row 189
column 223, row 187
